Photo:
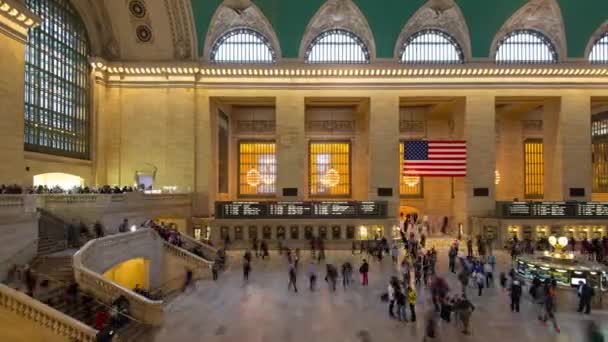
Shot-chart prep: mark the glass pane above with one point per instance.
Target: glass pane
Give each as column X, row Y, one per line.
column 526, row 47
column 337, row 47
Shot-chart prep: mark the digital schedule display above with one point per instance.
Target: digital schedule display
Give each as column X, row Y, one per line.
column 555, row 209
column 345, row 209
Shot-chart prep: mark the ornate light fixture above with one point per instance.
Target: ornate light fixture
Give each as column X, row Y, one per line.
column 496, row 177
column 331, row 178
column 411, row 181
column 253, row 178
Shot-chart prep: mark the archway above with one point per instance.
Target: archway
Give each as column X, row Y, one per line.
column 57, row 179
column 131, row 273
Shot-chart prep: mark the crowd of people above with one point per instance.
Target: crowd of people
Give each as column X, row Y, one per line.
column 15, row 189
column 595, row 249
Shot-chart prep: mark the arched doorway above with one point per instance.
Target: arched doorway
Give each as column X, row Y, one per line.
column 65, row 181
column 130, row 273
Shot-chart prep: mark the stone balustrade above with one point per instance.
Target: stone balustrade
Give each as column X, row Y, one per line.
column 43, row 316
column 209, row 252
column 145, row 310
column 200, row 267
column 17, row 204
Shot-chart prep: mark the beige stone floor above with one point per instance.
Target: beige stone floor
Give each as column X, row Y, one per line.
column 263, row 310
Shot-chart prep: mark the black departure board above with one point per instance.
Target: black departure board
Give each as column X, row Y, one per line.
column 594, row 209
column 555, row 209
column 296, row 210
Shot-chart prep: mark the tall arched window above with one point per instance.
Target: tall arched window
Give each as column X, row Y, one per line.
column 244, row 46
column 526, row 47
column 337, row 47
column 599, row 51
column 57, row 82
column 431, row 47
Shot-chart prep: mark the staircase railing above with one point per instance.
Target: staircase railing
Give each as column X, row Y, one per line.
column 209, row 252
column 141, row 308
column 44, row 316
column 53, row 228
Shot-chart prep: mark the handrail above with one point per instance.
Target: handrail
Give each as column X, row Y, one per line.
column 45, row 316
column 207, row 247
column 145, row 310
column 64, row 284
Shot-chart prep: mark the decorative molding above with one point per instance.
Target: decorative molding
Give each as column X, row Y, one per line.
column 16, row 19
column 255, row 126
column 226, row 19
column 330, row 126
column 532, row 127
column 451, row 21
column 544, row 16
column 183, row 30
column 413, row 127
column 339, row 14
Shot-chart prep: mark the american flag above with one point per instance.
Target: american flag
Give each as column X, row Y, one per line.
column 435, row 158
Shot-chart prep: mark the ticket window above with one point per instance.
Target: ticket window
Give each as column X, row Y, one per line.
column 350, row 232
column 308, row 233
column 253, row 233
column 238, row 233
column 281, row 233
column 556, row 231
column 541, row 232
column 363, row 233
column 267, row 233
column 336, row 233
column 489, row 232
column 224, row 233
column 583, row 234
column 396, row 233
column 378, row 232
column 323, row 233
column 514, row 232
column 598, row 232
column 294, row 232
column 202, row 233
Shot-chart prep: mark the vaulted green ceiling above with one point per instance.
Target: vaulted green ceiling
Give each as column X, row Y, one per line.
column 386, row 18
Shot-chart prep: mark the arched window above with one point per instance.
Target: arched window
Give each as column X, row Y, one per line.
column 244, row 46
column 57, row 82
column 337, row 47
column 431, row 47
column 599, row 51
column 526, row 47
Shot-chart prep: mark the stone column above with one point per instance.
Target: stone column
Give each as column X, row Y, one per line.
column 13, row 37
column 383, row 158
column 292, row 150
column 480, row 135
column 204, row 168
column 567, row 142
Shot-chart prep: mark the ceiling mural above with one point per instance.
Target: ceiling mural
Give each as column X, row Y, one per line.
column 387, row 18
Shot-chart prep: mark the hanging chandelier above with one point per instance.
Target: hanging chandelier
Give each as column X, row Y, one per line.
column 331, row 178
column 253, row 178
column 411, row 181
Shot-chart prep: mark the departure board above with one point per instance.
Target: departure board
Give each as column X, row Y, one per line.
column 555, row 209
column 551, row 209
column 594, row 209
column 296, row 210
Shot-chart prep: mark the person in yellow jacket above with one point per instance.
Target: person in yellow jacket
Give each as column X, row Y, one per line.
column 411, row 298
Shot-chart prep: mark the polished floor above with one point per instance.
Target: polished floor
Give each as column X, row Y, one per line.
column 264, row 310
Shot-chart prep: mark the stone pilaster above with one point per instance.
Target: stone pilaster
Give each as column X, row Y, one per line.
column 204, row 174
column 292, row 150
column 15, row 21
column 383, row 153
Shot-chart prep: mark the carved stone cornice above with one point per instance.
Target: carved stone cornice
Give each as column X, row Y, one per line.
column 16, row 19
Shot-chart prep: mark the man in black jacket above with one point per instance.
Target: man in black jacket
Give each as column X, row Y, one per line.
column 515, row 292
column 585, row 293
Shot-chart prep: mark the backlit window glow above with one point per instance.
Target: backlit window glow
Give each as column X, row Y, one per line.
column 599, row 51
column 526, row 47
column 431, row 47
column 337, row 47
column 243, row 46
